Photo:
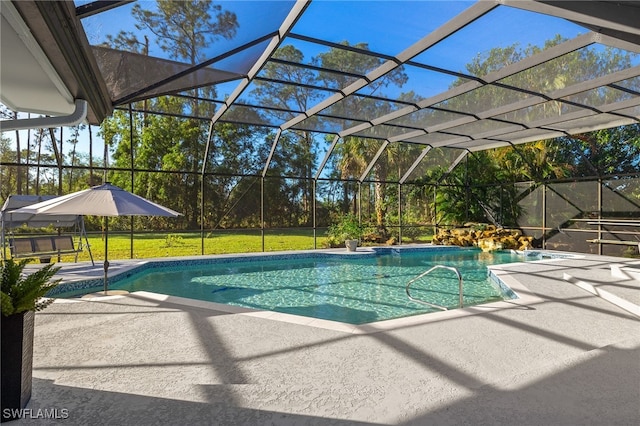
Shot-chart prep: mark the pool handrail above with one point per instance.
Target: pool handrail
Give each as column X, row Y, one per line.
column 433, row 305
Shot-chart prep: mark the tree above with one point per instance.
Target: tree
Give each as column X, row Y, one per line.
column 183, row 30
column 297, row 151
column 354, row 153
column 579, row 155
column 614, row 151
column 237, row 156
column 8, row 174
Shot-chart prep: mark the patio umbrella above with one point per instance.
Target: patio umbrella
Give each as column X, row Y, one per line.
column 103, row 200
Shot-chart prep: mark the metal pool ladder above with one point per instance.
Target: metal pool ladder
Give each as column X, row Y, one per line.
column 433, row 305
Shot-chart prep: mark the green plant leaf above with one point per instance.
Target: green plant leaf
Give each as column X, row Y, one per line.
column 24, row 292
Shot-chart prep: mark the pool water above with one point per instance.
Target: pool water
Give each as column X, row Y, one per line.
column 353, row 290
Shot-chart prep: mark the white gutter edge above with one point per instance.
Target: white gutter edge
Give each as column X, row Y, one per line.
column 76, row 117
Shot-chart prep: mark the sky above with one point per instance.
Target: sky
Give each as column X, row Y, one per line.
column 388, row 27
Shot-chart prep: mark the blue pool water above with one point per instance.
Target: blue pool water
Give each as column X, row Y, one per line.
column 350, row 289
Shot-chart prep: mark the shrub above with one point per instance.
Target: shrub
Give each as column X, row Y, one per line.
column 346, row 228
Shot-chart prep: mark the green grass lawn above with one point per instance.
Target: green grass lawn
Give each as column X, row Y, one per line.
column 149, row 245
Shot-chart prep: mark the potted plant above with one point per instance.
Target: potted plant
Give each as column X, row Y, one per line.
column 347, row 229
column 20, row 296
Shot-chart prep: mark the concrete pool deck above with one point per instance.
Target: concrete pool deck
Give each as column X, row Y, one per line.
column 564, row 356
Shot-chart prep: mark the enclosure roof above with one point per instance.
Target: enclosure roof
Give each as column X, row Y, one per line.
column 468, row 75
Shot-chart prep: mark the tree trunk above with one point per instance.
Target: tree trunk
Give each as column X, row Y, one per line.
column 18, row 160
column 381, row 209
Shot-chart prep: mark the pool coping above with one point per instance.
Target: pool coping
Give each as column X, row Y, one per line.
column 523, row 300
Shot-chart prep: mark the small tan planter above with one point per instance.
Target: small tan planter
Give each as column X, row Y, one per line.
column 351, row 245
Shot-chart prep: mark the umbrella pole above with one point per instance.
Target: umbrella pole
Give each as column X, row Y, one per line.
column 106, row 251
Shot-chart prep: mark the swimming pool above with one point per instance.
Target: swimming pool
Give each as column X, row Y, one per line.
column 354, row 289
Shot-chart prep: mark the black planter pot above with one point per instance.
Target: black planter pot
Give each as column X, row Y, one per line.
column 16, row 364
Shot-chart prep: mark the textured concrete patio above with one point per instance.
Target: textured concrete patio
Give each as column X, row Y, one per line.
column 564, row 356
